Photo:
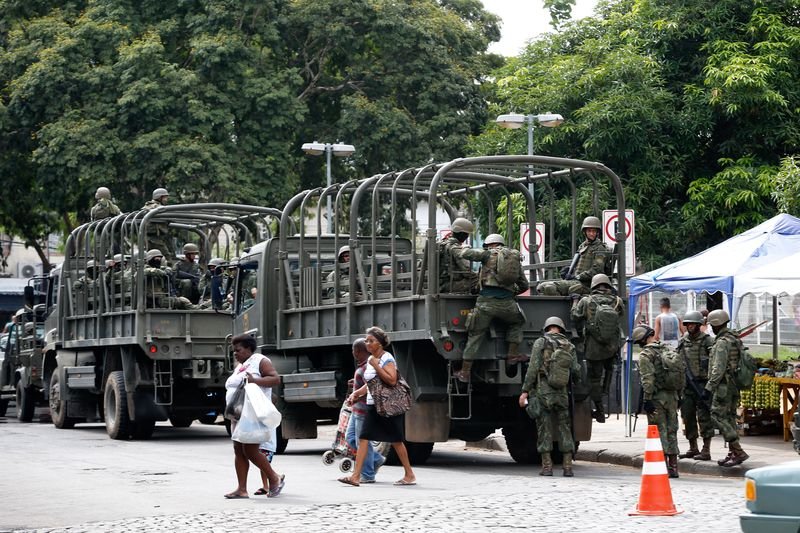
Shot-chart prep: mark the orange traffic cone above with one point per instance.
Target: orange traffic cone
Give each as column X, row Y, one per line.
column 655, row 497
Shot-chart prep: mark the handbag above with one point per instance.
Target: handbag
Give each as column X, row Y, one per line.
column 233, row 409
column 390, row 400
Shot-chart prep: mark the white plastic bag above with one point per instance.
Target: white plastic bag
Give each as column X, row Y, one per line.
column 249, row 429
column 266, row 412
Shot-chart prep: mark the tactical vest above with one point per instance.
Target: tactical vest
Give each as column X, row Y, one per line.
column 588, row 251
column 455, row 272
column 731, row 342
column 696, row 351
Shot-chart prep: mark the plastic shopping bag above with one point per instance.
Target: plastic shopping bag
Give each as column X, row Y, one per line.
column 249, row 429
column 265, row 410
column 233, row 410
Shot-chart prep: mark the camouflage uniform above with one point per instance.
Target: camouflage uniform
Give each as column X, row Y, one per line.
column 158, row 234
column 455, row 271
column 599, row 357
column 157, row 290
column 695, row 350
column 494, row 301
column 724, row 360
column 188, row 274
column 546, row 402
column 592, row 261
column 666, row 402
column 104, row 208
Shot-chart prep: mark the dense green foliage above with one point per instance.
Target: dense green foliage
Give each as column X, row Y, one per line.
column 693, row 103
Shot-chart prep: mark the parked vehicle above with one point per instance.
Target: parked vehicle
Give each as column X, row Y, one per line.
column 772, row 494
column 20, row 371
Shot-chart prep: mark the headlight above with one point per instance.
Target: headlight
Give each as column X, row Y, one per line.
column 750, row 490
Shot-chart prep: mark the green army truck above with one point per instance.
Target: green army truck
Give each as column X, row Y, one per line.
column 308, row 308
column 121, row 344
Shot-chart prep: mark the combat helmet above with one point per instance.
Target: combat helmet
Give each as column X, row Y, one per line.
column 155, row 252
column 718, row 317
column 591, row 222
column 554, row 321
column 600, row 279
column 462, row 225
column 160, row 193
column 102, row 192
column 494, row 238
column 215, row 262
column 693, row 317
column 641, row 333
column 190, row 248
column 343, row 250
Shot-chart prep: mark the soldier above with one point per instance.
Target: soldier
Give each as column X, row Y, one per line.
column 188, row 272
column 599, row 317
column 545, row 392
column 88, row 280
column 343, row 271
column 592, row 258
column 204, row 285
column 157, row 284
column 455, row 272
column 660, row 404
column 695, row 347
column 105, row 206
column 725, row 355
column 158, row 236
column 495, row 300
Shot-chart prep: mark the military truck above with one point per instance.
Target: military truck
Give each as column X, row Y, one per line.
column 309, row 308
column 120, row 344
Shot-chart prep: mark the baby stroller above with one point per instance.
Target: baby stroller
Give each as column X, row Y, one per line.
column 340, row 450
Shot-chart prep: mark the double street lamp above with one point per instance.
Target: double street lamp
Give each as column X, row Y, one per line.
column 337, row 149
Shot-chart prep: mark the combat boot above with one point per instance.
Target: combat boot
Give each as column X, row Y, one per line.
column 547, row 465
column 463, row 375
column 672, row 465
column 705, row 453
column 514, row 356
column 737, row 455
column 599, row 413
column 692, row 451
column 567, row 465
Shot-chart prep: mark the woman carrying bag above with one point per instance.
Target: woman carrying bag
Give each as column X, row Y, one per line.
column 380, row 365
column 253, row 368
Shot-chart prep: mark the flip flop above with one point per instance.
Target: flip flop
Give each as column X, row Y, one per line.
column 234, row 496
column 404, row 482
column 260, row 492
column 277, row 490
column 348, row 481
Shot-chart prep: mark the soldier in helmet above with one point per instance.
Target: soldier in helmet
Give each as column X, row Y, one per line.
column 104, row 207
column 455, row 271
column 660, row 404
column 695, row 347
column 204, row 286
column 159, row 198
column 158, row 235
column 724, row 356
column 188, row 273
column 88, row 280
column 343, row 271
column 599, row 318
column 593, row 256
column 157, row 284
column 545, row 393
column 496, row 300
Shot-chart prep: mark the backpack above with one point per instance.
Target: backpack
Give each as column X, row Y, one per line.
column 673, row 370
column 509, row 266
column 745, row 372
column 558, row 362
column 603, row 325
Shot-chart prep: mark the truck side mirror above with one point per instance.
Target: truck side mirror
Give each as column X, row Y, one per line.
column 28, row 296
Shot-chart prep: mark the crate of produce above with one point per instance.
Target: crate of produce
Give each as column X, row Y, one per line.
column 760, row 421
column 764, row 394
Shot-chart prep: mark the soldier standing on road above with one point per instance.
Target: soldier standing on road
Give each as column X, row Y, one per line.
column 495, row 300
column 545, row 393
column 188, row 273
column 599, row 317
column 724, row 360
column 105, row 206
column 660, row 404
column 695, row 347
column 455, row 271
column 593, row 255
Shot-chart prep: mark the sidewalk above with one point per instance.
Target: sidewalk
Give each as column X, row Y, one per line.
column 610, row 445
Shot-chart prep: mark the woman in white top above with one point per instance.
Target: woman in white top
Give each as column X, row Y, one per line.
column 381, row 365
column 258, row 369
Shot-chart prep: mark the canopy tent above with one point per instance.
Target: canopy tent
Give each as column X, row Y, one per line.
column 759, row 260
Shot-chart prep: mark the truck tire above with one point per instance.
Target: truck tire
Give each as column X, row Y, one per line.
column 418, row 453
column 115, row 406
column 208, row 419
column 282, row 443
column 3, row 407
column 58, row 405
column 143, row 428
column 178, row 421
column 521, row 444
column 26, row 402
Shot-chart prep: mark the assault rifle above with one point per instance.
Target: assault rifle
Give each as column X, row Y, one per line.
column 569, row 273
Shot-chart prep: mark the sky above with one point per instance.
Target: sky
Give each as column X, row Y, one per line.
column 525, row 19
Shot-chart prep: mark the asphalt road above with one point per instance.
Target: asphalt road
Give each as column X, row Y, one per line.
column 80, row 480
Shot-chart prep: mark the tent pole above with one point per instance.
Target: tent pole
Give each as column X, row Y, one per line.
column 776, row 328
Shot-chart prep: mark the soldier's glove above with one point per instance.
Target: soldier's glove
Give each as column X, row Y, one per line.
column 565, row 273
column 707, row 395
column 649, row 407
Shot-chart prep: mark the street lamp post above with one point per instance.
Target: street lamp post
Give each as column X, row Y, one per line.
column 329, row 149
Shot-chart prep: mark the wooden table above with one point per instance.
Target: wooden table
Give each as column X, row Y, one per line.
column 790, row 397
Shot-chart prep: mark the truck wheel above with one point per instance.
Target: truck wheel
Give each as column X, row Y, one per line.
column 208, row 419
column 143, row 428
column 521, row 444
column 282, row 443
column 3, row 407
column 418, row 453
column 115, row 405
column 26, row 402
column 58, row 405
column 178, row 421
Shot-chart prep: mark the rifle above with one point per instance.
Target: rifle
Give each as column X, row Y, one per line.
column 569, row 273
column 690, row 379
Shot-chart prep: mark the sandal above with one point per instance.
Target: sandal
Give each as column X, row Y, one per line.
column 348, row 481
column 260, row 492
column 404, row 482
column 277, row 490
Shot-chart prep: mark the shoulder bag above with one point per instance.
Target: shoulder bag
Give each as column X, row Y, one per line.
column 390, row 400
